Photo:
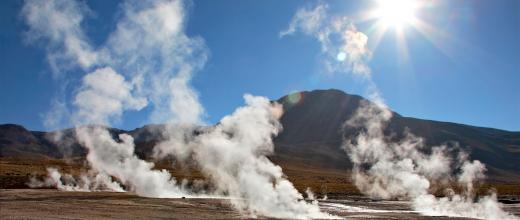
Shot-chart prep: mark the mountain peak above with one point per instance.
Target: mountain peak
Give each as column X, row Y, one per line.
column 320, row 92
column 13, row 127
column 324, row 112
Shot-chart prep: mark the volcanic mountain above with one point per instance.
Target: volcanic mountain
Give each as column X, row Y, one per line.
column 311, row 139
column 313, row 133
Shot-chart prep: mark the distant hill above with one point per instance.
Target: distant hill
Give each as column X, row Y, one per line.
column 311, row 137
column 313, row 134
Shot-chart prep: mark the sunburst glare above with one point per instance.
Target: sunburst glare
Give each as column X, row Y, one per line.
column 396, row 13
column 395, row 16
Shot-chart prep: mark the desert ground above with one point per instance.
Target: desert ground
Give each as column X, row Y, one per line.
column 53, row 204
column 19, row 202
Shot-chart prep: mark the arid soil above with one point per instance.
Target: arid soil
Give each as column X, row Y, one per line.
column 53, row 204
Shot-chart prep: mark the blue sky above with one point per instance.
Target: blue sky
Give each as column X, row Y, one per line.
column 470, row 77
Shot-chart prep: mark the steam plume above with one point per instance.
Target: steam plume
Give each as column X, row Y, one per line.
column 387, row 169
column 86, row 182
column 149, row 61
column 58, row 24
column 382, row 167
column 147, row 29
column 233, row 154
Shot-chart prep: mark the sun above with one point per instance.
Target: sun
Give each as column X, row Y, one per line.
column 396, row 16
column 403, row 18
column 396, row 13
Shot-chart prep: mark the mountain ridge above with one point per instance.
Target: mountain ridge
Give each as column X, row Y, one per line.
column 312, row 136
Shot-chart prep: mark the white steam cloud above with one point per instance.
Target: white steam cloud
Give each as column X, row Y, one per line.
column 150, row 42
column 233, row 154
column 382, row 167
column 58, row 25
column 105, row 94
column 344, row 49
column 118, row 159
column 148, row 61
column 86, row 182
column 149, row 46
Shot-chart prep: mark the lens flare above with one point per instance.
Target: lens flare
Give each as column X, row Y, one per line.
column 341, row 56
column 294, row 98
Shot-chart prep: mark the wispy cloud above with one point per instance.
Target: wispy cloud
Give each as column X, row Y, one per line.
column 57, row 24
column 57, row 115
column 104, row 95
column 148, row 44
column 343, row 48
column 150, row 40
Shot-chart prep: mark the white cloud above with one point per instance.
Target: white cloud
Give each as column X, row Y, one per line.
column 184, row 102
column 58, row 25
column 149, row 45
column 344, row 49
column 150, row 40
column 57, row 116
column 308, row 21
column 104, row 95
